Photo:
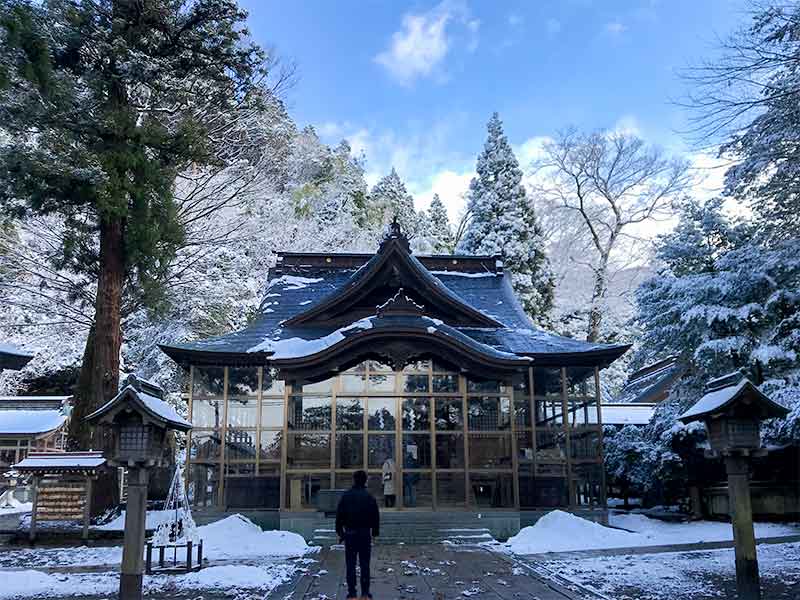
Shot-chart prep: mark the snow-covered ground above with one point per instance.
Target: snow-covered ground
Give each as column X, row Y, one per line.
column 227, row 578
column 233, row 537
column 697, row 575
column 559, row 531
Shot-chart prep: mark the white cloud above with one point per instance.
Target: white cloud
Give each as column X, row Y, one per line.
column 627, row 125
column 451, row 187
column 615, row 28
column 553, row 26
column 422, row 43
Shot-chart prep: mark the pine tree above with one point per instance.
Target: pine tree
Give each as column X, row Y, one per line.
column 388, row 199
column 104, row 103
column 503, row 221
column 440, row 233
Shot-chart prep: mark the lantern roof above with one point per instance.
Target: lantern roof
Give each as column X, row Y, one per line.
column 724, row 393
column 148, row 399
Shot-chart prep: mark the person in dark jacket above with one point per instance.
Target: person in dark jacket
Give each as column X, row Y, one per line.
column 357, row 522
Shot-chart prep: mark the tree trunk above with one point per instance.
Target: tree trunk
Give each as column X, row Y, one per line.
column 99, row 377
column 598, row 293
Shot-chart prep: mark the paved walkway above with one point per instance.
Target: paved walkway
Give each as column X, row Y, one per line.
column 432, row 572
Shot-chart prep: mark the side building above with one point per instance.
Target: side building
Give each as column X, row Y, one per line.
column 426, row 368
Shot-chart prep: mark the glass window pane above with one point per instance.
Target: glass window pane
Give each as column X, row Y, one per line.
column 525, row 445
column 244, row 490
column 302, row 490
column 380, row 447
column 382, row 414
column 242, row 382
column 350, row 451
column 208, row 382
column 581, row 398
column 546, row 489
column 272, row 412
column 309, row 413
column 551, row 445
column 450, row 490
column 203, row 485
column 207, row 412
column 350, row 414
column 385, row 492
column 352, row 383
column 522, row 412
column 584, row 444
column 416, row 414
column 449, row 451
column 242, row 411
column 416, row 366
column 308, row 451
column 489, row 413
column 449, row 414
column 547, row 390
column 376, row 365
column 381, row 382
column 588, row 482
column 271, row 386
column 270, row 445
column 478, row 386
column 416, row 451
column 445, row 384
column 417, row 490
column 320, row 387
column 491, row 490
column 415, row 384
column 240, row 444
column 206, row 446
column 489, row 451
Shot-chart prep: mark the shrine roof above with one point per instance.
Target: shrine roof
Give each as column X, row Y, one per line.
column 314, row 300
column 12, row 357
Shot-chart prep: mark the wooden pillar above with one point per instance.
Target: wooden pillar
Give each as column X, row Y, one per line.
column 130, row 583
column 34, row 508
column 741, row 511
column 87, row 508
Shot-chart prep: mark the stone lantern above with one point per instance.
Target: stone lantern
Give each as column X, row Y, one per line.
column 732, row 410
column 139, row 419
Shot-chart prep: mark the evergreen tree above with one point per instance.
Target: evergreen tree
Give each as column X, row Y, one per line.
column 104, row 102
column 440, row 233
column 388, row 199
column 503, row 221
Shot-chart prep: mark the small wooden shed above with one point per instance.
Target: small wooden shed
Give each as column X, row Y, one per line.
column 62, row 485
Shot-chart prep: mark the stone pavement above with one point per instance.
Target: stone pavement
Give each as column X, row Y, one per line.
column 433, row 572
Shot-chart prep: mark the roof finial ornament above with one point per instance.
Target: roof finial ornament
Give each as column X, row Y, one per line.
column 394, row 233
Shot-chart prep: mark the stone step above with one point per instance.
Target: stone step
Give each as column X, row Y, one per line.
column 327, row 537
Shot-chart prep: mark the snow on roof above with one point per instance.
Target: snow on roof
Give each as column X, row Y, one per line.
column 718, row 398
column 296, row 347
column 140, row 389
column 32, row 422
column 627, row 414
column 46, row 461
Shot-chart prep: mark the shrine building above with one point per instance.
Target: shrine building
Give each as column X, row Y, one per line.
column 423, row 367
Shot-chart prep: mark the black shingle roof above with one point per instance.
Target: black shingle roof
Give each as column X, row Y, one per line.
column 295, row 289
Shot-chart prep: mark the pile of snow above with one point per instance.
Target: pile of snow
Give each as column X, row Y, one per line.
column 238, row 537
column 10, row 505
column 28, row 584
column 559, row 531
column 658, row 532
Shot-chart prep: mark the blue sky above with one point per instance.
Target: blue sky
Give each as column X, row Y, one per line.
column 412, row 85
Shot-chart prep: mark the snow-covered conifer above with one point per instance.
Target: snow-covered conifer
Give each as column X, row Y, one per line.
column 503, row 221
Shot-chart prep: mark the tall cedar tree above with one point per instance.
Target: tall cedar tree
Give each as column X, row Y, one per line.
column 440, row 232
column 503, row 221
column 103, row 102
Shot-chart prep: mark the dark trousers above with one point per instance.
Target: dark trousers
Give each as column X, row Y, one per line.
column 357, row 544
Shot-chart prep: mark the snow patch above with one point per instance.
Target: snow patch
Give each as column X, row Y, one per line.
column 238, row 537
column 294, row 347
